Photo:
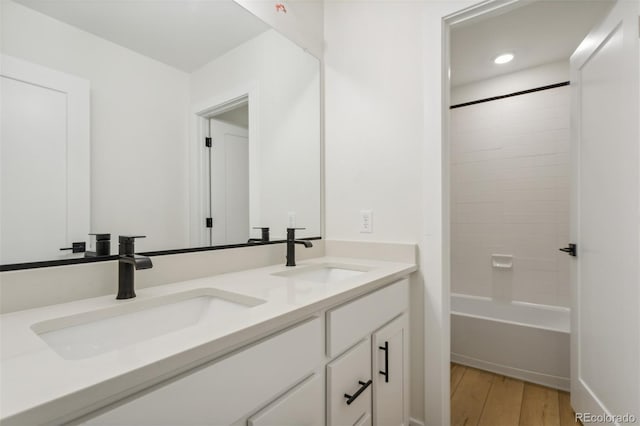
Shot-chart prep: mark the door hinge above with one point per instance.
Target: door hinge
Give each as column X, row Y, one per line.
column 209, row 222
column 207, row 142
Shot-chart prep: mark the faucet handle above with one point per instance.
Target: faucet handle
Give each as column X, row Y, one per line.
column 127, row 243
column 291, row 233
column 76, row 247
column 129, row 238
column 101, row 237
column 265, row 232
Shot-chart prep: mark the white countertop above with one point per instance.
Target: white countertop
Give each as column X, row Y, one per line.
column 38, row 386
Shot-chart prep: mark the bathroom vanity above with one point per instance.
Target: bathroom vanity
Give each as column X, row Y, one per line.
column 325, row 342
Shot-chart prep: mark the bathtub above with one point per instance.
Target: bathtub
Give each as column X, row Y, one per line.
column 521, row 340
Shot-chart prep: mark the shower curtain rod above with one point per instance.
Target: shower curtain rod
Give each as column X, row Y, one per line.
column 523, row 92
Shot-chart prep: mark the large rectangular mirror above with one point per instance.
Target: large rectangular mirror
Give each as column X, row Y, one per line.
column 190, row 122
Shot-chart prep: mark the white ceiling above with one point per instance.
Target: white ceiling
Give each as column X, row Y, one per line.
column 537, row 33
column 185, row 34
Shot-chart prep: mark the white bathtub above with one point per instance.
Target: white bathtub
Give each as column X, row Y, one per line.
column 521, row 340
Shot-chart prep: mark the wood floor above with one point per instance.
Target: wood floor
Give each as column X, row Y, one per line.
column 480, row 398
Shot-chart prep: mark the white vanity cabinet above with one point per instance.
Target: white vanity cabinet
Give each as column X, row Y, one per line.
column 376, row 366
column 353, row 371
column 301, row 406
column 227, row 390
column 349, row 386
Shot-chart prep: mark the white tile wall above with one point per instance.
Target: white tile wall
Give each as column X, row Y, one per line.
column 510, row 195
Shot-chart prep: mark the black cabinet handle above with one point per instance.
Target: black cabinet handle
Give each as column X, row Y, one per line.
column 363, row 386
column 385, row 373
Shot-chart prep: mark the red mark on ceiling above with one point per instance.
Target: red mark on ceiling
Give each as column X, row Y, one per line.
column 280, row 8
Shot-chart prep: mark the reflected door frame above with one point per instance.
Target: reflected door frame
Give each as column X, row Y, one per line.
column 199, row 202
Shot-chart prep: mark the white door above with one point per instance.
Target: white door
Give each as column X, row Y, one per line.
column 229, row 183
column 390, row 346
column 605, row 359
column 44, row 154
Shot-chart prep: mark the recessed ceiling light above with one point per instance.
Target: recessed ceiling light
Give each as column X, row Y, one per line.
column 504, row 58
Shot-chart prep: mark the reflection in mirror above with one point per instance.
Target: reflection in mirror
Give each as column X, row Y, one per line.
column 107, row 110
column 228, row 175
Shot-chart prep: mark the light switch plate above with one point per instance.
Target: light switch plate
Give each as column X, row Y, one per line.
column 366, row 221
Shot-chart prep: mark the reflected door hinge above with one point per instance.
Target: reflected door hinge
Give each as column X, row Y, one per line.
column 207, row 142
column 209, row 222
column 571, row 250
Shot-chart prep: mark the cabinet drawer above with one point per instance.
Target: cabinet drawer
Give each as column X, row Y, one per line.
column 365, row 420
column 301, row 406
column 222, row 392
column 349, row 323
column 348, row 375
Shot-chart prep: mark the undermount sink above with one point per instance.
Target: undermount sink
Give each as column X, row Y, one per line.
column 325, row 273
column 100, row 331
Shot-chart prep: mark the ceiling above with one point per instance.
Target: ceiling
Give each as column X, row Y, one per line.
column 537, row 33
column 185, row 34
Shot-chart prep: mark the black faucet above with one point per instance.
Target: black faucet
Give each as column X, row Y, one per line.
column 103, row 246
column 128, row 262
column 291, row 245
column 264, row 237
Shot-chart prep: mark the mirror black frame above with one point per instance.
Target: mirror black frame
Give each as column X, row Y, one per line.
column 81, row 260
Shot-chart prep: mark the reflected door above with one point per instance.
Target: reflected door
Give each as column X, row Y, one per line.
column 34, row 196
column 44, row 155
column 229, row 183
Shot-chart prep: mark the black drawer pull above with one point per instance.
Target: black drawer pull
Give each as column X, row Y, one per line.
column 363, row 386
column 385, row 373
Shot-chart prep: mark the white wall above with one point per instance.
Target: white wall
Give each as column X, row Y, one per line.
column 373, row 120
column 285, row 130
column 384, row 93
column 543, row 75
column 138, row 126
column 303, row 22
column 373, row 116
column 510, row 191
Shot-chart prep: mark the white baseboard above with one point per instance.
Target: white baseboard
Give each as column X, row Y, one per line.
column 562, row 383
column 415, row 422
